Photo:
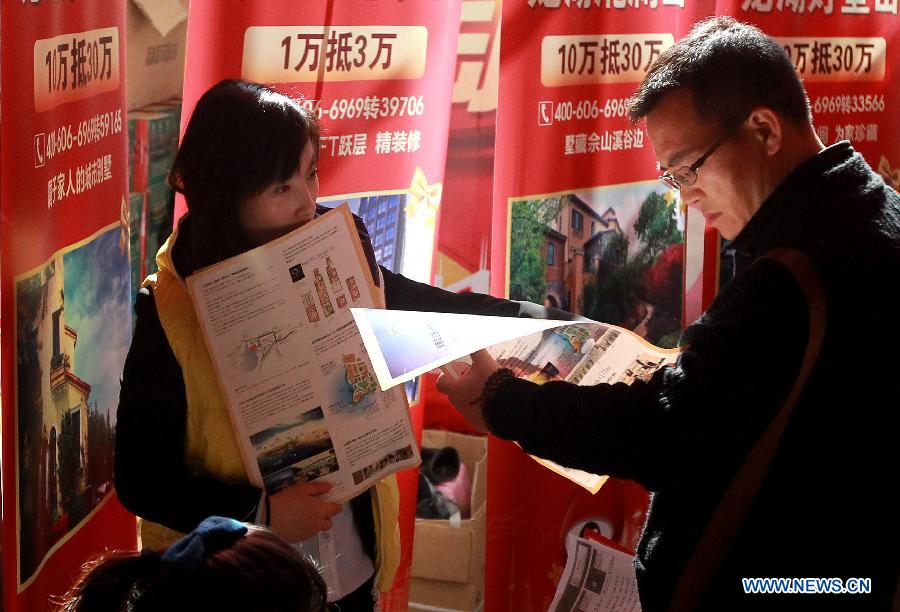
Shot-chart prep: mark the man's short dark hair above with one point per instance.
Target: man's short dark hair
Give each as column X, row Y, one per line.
column 731, row 68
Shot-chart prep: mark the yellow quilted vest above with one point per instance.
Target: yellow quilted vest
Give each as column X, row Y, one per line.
column 211, row 447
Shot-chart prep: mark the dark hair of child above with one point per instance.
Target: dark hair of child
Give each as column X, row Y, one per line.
column 249, row 568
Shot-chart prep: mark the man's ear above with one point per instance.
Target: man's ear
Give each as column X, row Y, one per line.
column 767, row 128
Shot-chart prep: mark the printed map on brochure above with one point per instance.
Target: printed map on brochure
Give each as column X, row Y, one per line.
column 402, row 345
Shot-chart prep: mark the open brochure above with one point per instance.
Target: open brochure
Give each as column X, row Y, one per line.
column 599, row 577
column 402, row 345
column 299, row 387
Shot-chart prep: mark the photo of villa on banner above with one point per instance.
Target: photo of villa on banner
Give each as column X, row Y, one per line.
column 402, row 345
column 297, row 383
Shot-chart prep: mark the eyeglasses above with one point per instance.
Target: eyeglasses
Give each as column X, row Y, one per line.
column 685, row 176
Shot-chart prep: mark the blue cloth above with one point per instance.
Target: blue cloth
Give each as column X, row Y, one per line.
column 214, row 533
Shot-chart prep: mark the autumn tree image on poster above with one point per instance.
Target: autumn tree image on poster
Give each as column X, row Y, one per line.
column 613, row 254
column 73, row 329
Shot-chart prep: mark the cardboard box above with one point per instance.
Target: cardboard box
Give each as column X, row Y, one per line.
column 448, row 562
column 155, row 62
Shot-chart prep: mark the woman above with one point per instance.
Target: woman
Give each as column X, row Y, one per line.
column 247, row 169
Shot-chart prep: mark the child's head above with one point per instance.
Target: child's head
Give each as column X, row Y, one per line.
column 242, row 138
column 221, row 565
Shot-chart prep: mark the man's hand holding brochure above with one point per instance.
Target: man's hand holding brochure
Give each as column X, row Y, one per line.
column 402, row 345
column 599, row 575
column 300, row 344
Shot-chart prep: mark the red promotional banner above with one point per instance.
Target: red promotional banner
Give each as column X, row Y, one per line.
column 66, row 290
column 463, row 243
column 580, row 222
column 575, row 65
column 379, row 74
column 464, row 240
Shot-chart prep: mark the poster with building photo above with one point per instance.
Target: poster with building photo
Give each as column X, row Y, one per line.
column 65, row 282
column 379, row 75
column 572, row 176
column 73, row 329
column 580, row 222
column 613, row 254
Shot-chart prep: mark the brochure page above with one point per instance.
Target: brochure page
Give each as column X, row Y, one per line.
column 597, row 578
column 402, row 344
column 299, row 385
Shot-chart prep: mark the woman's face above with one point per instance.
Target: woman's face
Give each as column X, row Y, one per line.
column 283, row 206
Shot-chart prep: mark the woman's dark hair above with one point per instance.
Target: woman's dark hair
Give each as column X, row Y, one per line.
column 258, row 572
column 731, row 68
column 241, row 138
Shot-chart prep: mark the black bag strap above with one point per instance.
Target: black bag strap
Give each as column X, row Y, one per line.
column 732, row 510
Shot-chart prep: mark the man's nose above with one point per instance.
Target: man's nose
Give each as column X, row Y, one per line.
column 689, row 196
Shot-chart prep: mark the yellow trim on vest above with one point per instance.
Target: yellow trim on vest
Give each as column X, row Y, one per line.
column 385, row 514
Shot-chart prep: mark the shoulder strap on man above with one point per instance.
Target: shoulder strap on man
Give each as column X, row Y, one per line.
column 729, row 515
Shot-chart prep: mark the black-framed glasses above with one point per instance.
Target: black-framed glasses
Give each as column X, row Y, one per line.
column 685, row 176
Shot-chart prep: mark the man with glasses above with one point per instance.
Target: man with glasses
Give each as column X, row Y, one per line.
column 732, row 131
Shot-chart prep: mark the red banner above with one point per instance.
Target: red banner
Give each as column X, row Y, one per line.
column 379, row 75
column 66, row 290
column 464, row 240
column 580, row 222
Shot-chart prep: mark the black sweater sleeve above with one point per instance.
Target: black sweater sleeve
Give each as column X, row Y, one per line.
column 402, row 293
column 152, row 478
column 703, row 414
